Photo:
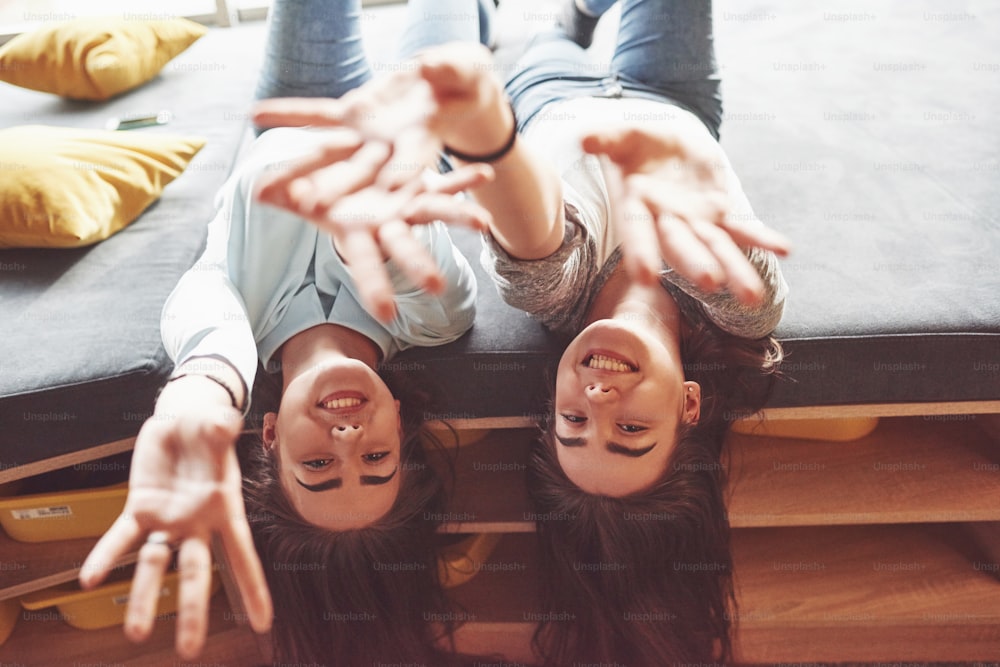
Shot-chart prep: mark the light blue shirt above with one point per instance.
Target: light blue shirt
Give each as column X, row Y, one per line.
column 267, row 274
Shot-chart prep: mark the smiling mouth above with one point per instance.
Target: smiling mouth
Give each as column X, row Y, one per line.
column 343, row 401
column 602, row 361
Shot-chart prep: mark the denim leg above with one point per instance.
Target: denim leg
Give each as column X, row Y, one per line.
column 668, row 45
column 552, row 68
column 433, row 22
column 314, row 49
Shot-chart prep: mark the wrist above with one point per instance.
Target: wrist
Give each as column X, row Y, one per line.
column 485, row 125
column 495, row 140
column 212, row 378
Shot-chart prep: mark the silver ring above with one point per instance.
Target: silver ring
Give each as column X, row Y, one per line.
column 158, row 537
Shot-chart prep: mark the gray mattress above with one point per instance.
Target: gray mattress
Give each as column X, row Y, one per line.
column 80, row 351
column 868, row 133
column 871, row 142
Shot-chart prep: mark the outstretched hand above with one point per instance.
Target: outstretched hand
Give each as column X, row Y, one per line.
column 672, row 200
column 369, row 181
column 184, row 485
column 335, row 189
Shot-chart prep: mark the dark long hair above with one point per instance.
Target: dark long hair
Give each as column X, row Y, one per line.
column 646, row 579
column 360, row 596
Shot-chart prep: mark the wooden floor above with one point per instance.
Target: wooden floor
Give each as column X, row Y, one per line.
column 883, row 549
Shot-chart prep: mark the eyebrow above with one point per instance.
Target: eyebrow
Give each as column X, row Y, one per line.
column 612, row 447
column 337, row 482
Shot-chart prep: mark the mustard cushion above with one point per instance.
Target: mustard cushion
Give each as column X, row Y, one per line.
column 64, row 187
column 94, row 59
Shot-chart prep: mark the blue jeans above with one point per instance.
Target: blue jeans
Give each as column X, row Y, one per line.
column 314, row 47
column 664, row 52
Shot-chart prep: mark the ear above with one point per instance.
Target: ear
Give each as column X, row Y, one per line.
column 270, row 429
column 399, row 417
column 691, row 412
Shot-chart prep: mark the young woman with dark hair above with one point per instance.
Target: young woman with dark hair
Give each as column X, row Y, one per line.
column 658, row 559
column 342, row 503
column 366, row 595
column 618, row 223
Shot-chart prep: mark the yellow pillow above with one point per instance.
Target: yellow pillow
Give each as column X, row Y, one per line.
column 63, row 187
column 94, row 59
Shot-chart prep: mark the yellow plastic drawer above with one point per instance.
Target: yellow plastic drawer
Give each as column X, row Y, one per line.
column 836, row 430
column 103, row 606
column 66, row 515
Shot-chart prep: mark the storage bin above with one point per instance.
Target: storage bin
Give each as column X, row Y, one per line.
column 64, row 515
column 105, row 605
column 837, row 430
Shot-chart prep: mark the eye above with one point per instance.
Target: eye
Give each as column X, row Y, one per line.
column 574, row 419
column 374, row 457
column 317, row 464
column 632, row 428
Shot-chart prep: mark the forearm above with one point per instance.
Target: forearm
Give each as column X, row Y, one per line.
column 205, row 315
column 525, row 201
column 525, row 198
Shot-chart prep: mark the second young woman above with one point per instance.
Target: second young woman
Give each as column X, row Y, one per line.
column 619, row 223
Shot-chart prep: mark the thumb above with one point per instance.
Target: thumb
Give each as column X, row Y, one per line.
column 614, row 142
column 443, row 76
column 631, row 147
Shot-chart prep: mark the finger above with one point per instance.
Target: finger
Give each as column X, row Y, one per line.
column 679, row 246
column 757, row 235
column 627, row 145
column 452, row 210
column 364, row 260
column 741, row 277
column 313, row 194
column 247, row 571
column 684, row 201
column 121, row 538
column 274, row 188
column 465, row 177
column 195, row 565
column 396, row 238
column 688, row 255
column 299, row 111
column 438, row 69
column 634, row 227
column 145, row 594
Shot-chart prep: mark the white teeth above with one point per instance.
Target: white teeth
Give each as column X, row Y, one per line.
column 342, row 403
column 601, row 362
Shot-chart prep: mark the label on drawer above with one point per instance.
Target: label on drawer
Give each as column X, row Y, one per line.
column 42, row 512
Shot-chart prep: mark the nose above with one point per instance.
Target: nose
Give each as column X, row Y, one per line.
column 346, row 431
column 601, row 393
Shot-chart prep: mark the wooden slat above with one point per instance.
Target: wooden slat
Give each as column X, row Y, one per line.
column 908, row 470
column 511, row 640
column 883, row 410
column 41, row 638
column 864, row 593
column 31, row 566
column 483, row 423
column 806, row 412
column 66, row 460
column 851, row 593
